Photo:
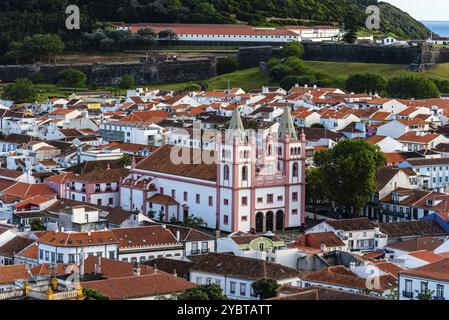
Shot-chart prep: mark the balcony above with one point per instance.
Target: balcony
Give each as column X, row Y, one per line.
column 267, row 181
column 407, row 294
column 205, row 250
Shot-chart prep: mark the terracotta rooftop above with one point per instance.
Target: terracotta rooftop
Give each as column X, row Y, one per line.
column 149, row 236
column 113, row 268
column 15, row 245
column 423, row 243
column 242, row 267
column 154, row 284
column 77, row 239
column 9, row 274
column 162, row 199
column 160, row 161
column 315, row 240
column 352, row 224
column 412, row 228
column 319, row 293
column 437, row 271
column 425, row 255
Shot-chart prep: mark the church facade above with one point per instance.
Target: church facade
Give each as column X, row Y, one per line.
column 247, row 186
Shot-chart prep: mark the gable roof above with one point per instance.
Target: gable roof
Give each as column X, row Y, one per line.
column 436, row 270
column 427, row 256
column 319, row 293
column 77, row 239
column 154, row 284
column 148, row 236
column 355, row 224
column 412, row 228
column 423, row 243
column 242, row 267
column 15, row 245
column 23, row 190
column 160, row 161
column 11, row 273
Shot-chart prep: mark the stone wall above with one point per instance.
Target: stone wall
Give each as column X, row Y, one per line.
column 410, row 55
column 145, row 72
column 251, row 56
column 362, row 53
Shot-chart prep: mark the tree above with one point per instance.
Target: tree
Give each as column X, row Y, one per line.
column 146, row 37
column 289, row 81
column 194, row 222
column 348, row 173
column 265, row 288
column 365, row 83
column 412, row 86
column 426, row 294
column 127, row 82
column 442, row 85
column 125, row 160
column 227, row 65
column 22, row 90
column 90, row 294
column 72, row 78
column 393, row 294
column 160, row 215
column 293, row 49
column 151, row 214
column 167, row 34
column 37, row 77
column 352, row 22
column 297, row 65
column 314, row 187
column 37, row 47
column 280, row 71
column 37, row 225
column 204, row 292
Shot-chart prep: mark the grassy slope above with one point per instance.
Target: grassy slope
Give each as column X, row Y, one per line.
column 252, row 79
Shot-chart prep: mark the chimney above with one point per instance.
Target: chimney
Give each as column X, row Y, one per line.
column 174, row 273
column 99, row 264
column 352, row 265
column 82, row 264
column 178, row 235
column 136, row 271
column 62, row 229
column 89, row 233
column 217, row 233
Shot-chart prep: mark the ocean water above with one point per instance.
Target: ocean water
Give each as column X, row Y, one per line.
column 438, row 27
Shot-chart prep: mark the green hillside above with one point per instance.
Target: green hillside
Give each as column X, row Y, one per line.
column 21, row 18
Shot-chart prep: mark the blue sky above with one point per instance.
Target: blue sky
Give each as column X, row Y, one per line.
column 434, row 10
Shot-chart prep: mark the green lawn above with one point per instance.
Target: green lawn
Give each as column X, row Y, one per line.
column 347, row 68
column 246, row 79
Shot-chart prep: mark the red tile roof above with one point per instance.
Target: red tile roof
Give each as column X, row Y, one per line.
column 155, row 284
column 426, row 256
column 9, row 274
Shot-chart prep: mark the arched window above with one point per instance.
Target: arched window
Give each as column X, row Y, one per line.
column 226, row 172
column 295, row 170
column 245, row 173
